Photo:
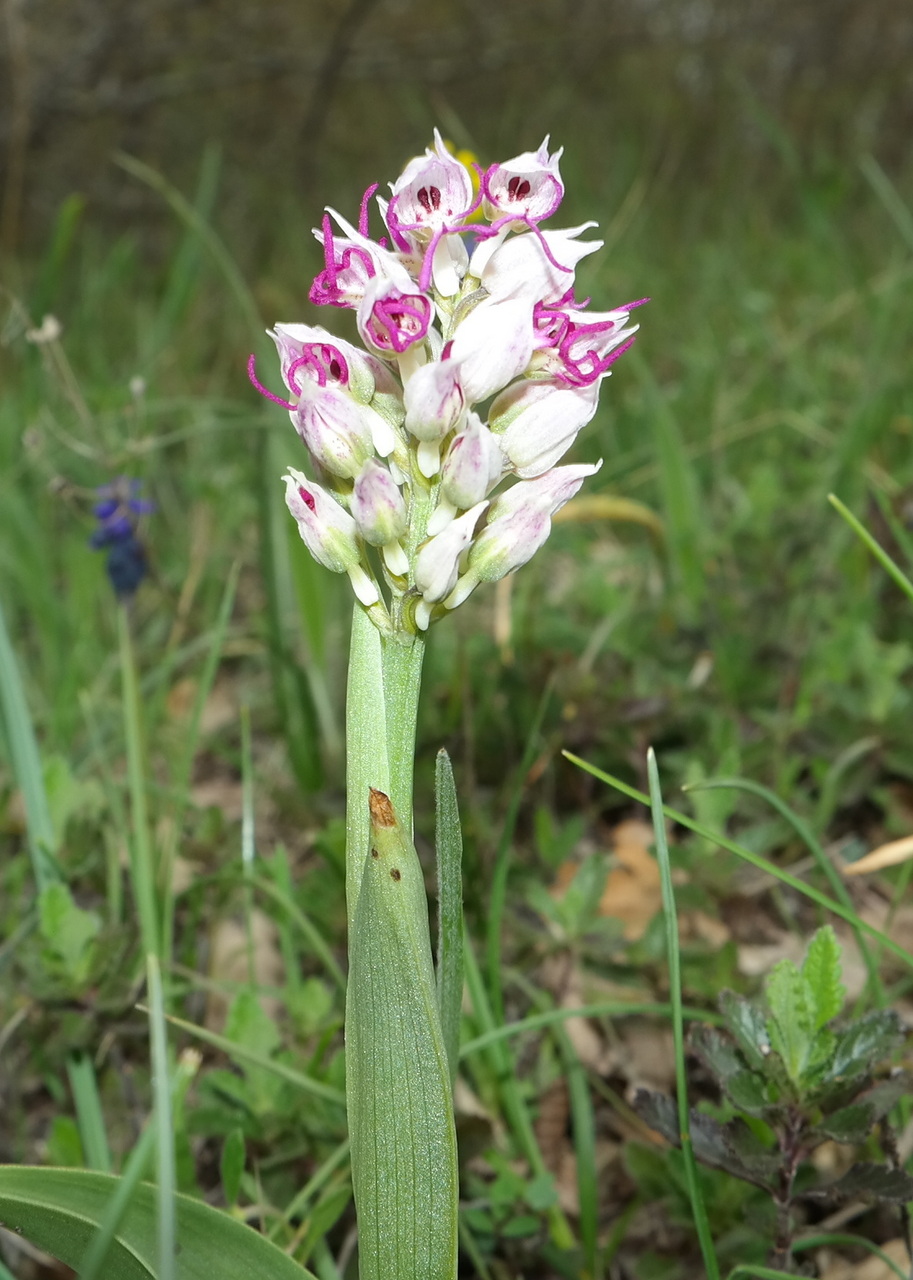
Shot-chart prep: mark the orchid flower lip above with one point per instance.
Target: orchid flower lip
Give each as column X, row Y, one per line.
column 363, row 211
column 264, row 391
column 324, row 360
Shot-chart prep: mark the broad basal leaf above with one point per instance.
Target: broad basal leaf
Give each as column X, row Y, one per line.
column 59, row 1210
column 404, row 1166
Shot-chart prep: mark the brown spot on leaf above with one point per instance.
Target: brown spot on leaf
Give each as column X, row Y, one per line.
column 382, row 814
column 395, row 873
column 374, row 853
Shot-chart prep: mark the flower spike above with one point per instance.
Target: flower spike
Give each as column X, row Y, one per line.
column 439, row 441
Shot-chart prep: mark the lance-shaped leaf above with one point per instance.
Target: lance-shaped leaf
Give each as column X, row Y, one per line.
column 59, row 1210
column 401, row 1126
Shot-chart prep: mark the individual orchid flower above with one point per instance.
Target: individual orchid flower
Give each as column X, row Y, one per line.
column 519, row 522
column 434, row 193
column 527, row 188
column 312, row 351
column 393, row 315
column 578, row 347
column 329, row 533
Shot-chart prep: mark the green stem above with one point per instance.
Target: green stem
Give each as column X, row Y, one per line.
column 385, row 676
column 402, row 666
column 367, row 763
column 142, row 872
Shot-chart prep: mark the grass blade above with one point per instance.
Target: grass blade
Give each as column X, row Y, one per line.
column 889, row 565
column 89, row 1116
column 240, row 1053
column 26, row 763
column 497, row 898
column 698, row 1208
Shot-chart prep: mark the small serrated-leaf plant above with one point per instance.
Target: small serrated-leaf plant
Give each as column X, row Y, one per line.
column 795, row 1075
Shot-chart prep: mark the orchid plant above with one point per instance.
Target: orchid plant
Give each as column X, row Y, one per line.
column 419, row 494
column 434, row 465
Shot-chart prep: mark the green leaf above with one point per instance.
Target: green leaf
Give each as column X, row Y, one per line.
column 748, row 1090
column 872, row 1182
column 791, row 1024
column 248, row 1025
column 68, row 930
column 853, row 1123
column 231, row 1166
column 821, row 971
column 732, row 1147
column 59, row 1210
column 747, row 1023
column 865, row 1044
column 404, row 1165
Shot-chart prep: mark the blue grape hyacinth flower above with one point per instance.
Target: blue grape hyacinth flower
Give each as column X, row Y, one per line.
column 117, row 510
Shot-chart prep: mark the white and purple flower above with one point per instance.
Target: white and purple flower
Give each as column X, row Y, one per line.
column 457, row 316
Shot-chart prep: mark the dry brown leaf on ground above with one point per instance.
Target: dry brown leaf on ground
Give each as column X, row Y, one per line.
column 644, row 1055
column 757, row 960
column 224, row 792
column 231, row 962
column 632, row 891
column 832, row 1268
column 704, row 928
column 886, row 855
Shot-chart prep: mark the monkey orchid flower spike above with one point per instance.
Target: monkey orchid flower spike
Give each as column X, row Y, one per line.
column 436, row 451
column 455, row 315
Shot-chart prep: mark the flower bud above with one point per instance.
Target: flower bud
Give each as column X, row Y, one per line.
column 328, row 532
column 336, row 429
column 438, row 560
column 519, row 522
column 537, row 422
column 473, row 465
column 380, row 513
column 493, row 344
